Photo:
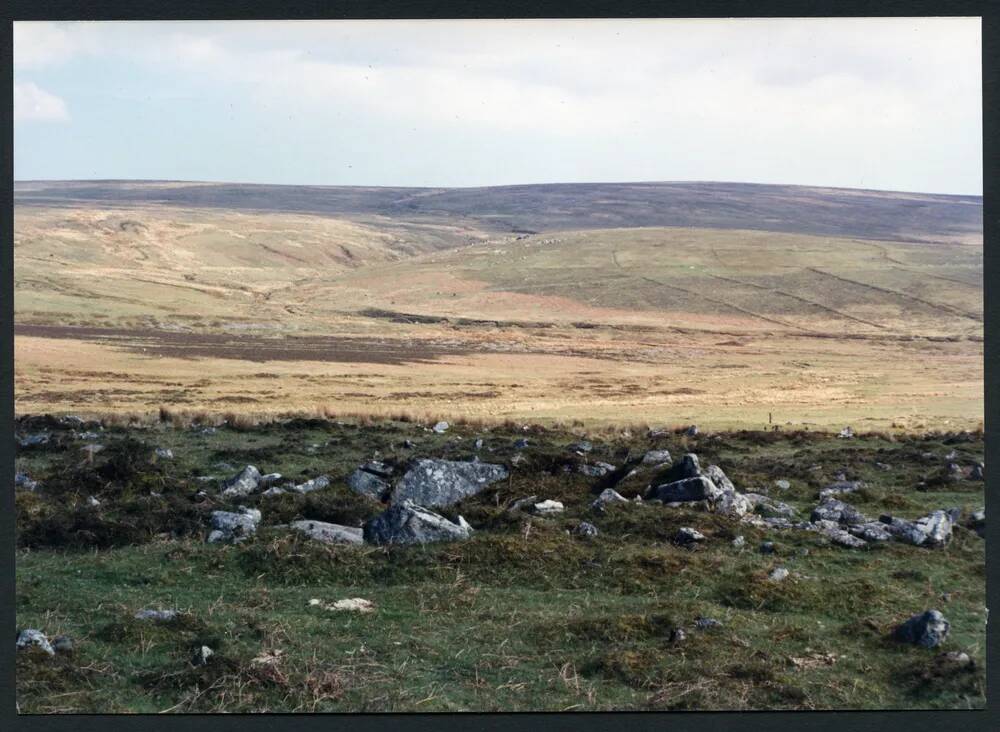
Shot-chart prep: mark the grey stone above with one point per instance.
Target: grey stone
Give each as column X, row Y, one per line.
column 977, row 472
column 608, row 495
column 548, row 508
column 228, row 526
column 202, row 656
column 583, row 446
column 165, row 453
column 62, row 644
column 523, row 503
column 329, row 533
column 31, row 639
column 702, row 623
column 692, row 431
column 93, row 502
column 698, row 488
column 33, row 440
column 732, row 504
column 586, row 529
column 432, row 483
column 479, row 443
column 268, row 480
column 23, row 481
column 840, row 487
column 739, row 542
column 977, row 522
column 242, row 484
column 688, row 535
column 656, row 457
column 846, row 433
column 689, row 467
column 767, row 547
column 368, row 484
column 156, row 616
column 441, row 427
column 312, row 485
column 932, row 530
column 778, row 574
column 871, row 531
column 782, row 485
column 408, row 523
column 837, row 535
column 677, row 635
column 597, row 470
column 520, row 443
column 717, row 476
column 927, row 629
column 767, row 507
column 833, row 510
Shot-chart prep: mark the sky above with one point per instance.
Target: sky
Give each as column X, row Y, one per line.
column 881, row 103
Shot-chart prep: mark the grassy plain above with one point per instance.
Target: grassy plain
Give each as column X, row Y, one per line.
column 411, row 302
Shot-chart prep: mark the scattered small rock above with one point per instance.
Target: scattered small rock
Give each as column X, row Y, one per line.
column 688, row 535
column 242, row 484
column 31, row 639
column 767, row 547
column 441, row 427
column 778, row 574
column 548, row 508
column 927, row 629
column 202, row 656
column 608, row 495
column 520, row 443
column 739, row 542
column 580, row 448
column 782, row 485
column 354, row 605
column 23, row 481
column 156, row 616
column 677, row 635
column 329, row 533
column 165, row 453
column 846, row 433
column 702, row 623
column 656, row 458
column 586, row 529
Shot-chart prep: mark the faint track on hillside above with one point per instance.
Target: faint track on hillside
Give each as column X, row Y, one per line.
column 614, row 257
column 937, row 306
column 774, row 290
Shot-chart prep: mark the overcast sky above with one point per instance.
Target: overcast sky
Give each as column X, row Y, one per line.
column 863, row 103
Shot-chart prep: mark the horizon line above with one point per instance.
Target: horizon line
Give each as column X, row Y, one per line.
column 501, row 185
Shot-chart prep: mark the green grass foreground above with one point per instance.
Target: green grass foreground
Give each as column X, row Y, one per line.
column 524, row 616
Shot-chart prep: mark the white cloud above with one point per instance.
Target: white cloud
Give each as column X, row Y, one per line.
column 34, row 103
column 39, row 44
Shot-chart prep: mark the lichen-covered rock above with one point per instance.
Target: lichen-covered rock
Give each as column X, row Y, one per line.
column 596, row 470
column 445, row 482
column 586, row 529
column 688, row 535
column 608, row 495
column 698, row 488
column 408, row 523
column 24, row 482
column 548, row 508
column 927, row 629
column 833, row 510
column 156, row 616
column 932, row 530
column 242, row 484
column 871, row 531
column 840, row 487
column 367, row 483
column 656, row 457
column 312, row 485
column 34, row 640
column 228, row 526
column 329, row 533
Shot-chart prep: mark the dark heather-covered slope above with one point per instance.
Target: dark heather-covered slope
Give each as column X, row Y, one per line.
column 552, row 207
